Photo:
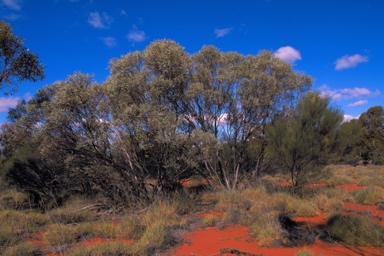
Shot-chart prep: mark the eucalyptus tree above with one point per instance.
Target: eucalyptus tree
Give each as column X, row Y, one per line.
column 301, row 144
column 17, row 63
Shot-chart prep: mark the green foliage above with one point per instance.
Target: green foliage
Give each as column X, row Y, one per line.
column 372, row 134
column 360, row 231
column 302, row 148
column 18, row 63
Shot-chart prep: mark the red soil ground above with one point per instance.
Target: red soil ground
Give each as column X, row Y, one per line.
column 209, row 241
column 349, row 187
column 370, row 210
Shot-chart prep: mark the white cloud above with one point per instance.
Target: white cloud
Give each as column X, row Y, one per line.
column 12, row 4
column 99, row 21
column 109, row 41
column 348, row 118
column 136, row 35
column 347, row 61
column 123, row 12
column 358, row 103
column 8, row 102
column 288, row 54
column 346, row 93
column 222, row 32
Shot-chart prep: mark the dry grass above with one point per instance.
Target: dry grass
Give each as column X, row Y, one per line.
column 267, row 229
column 369, row 195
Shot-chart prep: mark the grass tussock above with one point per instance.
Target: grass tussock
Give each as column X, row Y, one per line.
column 304, row 252
column 369, row 195
column 130, row 227
column 22, row 249
column 103, row 249
column 267, row 230
column 358, row 231
column 97, row 229
column 70, row 215
column 60, row 234
column 210, row 221
column 13, row 199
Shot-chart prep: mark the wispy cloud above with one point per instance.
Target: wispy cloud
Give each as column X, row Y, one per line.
column 358, row 103
column 96, row 20
column 348, row 118
column 12, row 4
column 288, row 54
column 109, row 41
column 12, row 16
column 136, row 35
column 222, row 32
column 123, row 12
column 347, row 93
column 7, row 103
column 347, row 61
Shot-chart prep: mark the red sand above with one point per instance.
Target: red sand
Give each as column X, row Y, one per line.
column 349, row 187
column 373, row 209
column 209, row 241
column 216, row 214
column 311, row 221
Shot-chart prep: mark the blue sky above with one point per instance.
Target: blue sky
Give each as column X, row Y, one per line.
column 340, row 43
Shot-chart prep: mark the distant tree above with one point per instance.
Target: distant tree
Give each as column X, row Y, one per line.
column 301, row 143
column 17, row 63
column 351, row 142
column 372, row 134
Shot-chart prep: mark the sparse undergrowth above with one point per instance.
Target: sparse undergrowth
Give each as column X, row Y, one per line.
column 154, row 229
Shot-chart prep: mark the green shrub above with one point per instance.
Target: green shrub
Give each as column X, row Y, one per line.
column 359, row 231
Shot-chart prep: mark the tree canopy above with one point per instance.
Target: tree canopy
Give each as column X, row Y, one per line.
column 17, row 63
